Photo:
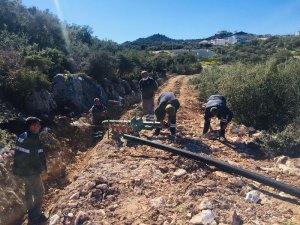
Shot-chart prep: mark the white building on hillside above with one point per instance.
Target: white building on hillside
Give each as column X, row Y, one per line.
column 297, row 33
column 205, row 53
column 232, row 40
column 204, row 42
column 220, row 42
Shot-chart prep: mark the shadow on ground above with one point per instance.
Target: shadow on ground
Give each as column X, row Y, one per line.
column 277, row 196
column 184, row 143
column 256, row 154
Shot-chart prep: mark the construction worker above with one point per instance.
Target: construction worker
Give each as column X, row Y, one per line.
column 216, row 106
column 30, row 164
column 148, row 86
column 99, row 112
column 167, row 104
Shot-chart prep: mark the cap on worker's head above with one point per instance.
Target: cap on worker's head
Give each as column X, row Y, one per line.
column 213, row 111
column 96, row 99
column 170, row 109
column 144, row 72
column 31, row 120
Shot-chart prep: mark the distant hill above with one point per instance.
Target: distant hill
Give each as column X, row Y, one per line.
column 155, row 42
column 220, row 35
column 226, row 34
column 154, row 39
column 160, row 41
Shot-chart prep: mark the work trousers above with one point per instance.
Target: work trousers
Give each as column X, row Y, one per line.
column 34, row 192
column 148, row 108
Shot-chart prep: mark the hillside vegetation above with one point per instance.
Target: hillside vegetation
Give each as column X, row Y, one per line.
column 260, row 78
column 264, row 95
column 259, row 51
column 35, row 46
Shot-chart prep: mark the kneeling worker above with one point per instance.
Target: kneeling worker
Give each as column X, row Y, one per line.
column 216, row 106
column 167, row 104
column 98, row 111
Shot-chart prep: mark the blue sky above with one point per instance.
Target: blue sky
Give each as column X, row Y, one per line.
column 128, row 20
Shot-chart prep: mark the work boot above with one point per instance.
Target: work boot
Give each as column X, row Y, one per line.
column 222, row 135
column 42, row 218
column 157, row 131
column 222, row 138
column 173, row 130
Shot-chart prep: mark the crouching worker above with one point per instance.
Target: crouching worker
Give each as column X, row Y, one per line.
column 167, row 104
column 216, row 106
column 98, row 111
column 30, row 164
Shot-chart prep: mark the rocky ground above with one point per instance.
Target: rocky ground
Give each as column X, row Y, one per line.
column 138, row 184
column 65, row 137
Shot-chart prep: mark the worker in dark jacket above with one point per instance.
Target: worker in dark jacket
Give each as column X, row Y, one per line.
column 98, row 111
column 29, row 164
column 216, row 106
column 167, row 104
column 148, row 86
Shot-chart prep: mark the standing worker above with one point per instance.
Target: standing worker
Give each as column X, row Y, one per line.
column 216, row 106
column 148, row 86
column 30, row 164
column 167, row 104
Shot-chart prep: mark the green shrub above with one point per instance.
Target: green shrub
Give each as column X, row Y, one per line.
column 9, row 61
column 207, row 82
column 265, row 96
column 37, row 62
column 49, row 61
column 101, row 65
column 6, row 139
column 286, row 142
column 20, row 83
column 12, row 42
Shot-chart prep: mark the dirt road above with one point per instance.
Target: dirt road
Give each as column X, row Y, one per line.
column 142, row 185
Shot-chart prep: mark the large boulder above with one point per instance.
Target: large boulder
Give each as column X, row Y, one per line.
column 75, row 91
column 115, row 90
column 41, row 102
column 127, row 87
column 111, row 90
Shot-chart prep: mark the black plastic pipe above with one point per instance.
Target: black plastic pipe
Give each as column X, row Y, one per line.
column 291, row 190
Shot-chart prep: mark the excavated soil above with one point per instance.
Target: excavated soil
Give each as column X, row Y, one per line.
column 139, row 184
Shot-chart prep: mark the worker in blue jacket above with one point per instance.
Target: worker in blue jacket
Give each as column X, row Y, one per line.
column 167, row 104
column 216, row 107
column 29, row 164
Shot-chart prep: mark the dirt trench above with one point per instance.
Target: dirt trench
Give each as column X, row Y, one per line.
column 141, row 185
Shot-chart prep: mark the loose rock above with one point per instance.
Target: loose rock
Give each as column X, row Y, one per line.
column 180, row 173
column 157, row 202
column 253, row 196
column 205, row 217
column 54, row 219
column 205, row 204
